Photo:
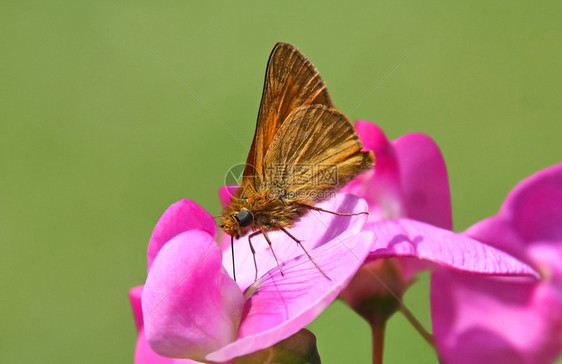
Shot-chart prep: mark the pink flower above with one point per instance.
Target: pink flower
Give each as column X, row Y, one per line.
column 410, row 216
column 193, row 309
column 480, row 319
column 409, row 178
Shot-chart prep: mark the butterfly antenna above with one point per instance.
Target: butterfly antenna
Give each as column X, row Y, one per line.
column 232, row 249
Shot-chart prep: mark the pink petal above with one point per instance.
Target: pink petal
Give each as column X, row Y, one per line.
column 405, row 237
column 534, row 206
column 424, row 180
column 508, row 320
column 182, row 216
column 190, row 305
column 226, row 193
column 546, row 256
column 315, row 229
column 380, row 186
column 135, row 299
column 478, row 319
column 282, row 305
column 145, row 355
column 500, row 233
column 372, row 137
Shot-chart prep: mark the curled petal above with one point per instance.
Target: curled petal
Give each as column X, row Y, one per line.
column 183, row 215
column 279, row 306
column 190, row 304
column 405, row 237
column 424, row 180
column 135, row 299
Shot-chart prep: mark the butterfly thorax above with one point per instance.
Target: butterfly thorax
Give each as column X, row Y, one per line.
column 263, row 210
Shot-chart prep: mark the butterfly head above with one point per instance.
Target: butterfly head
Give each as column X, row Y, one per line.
column 238, row 223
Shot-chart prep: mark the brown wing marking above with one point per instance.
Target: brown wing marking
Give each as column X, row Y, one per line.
column 315, row 151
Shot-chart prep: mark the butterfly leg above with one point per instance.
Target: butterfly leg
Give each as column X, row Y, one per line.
column 232, row 250
column 312, row 207
column 254, row 251
column 272, row 251
column 306, row 252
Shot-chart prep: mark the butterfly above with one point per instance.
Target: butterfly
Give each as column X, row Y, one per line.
column 303, row 151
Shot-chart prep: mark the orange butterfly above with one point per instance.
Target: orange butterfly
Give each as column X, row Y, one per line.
column 303, row 151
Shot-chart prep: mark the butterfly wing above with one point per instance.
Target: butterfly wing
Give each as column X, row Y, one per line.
column 315, row 151
column 291, row 81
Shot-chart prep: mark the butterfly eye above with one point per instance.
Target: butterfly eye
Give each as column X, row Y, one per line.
column 244, row 218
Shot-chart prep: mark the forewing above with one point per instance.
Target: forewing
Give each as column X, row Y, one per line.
column 315, row 151
column 291, row 81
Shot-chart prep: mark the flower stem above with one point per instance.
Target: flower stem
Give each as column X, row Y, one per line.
column 417, row 325
column 377, row 330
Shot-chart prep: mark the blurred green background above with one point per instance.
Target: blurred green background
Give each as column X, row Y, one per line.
column 111, row 111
